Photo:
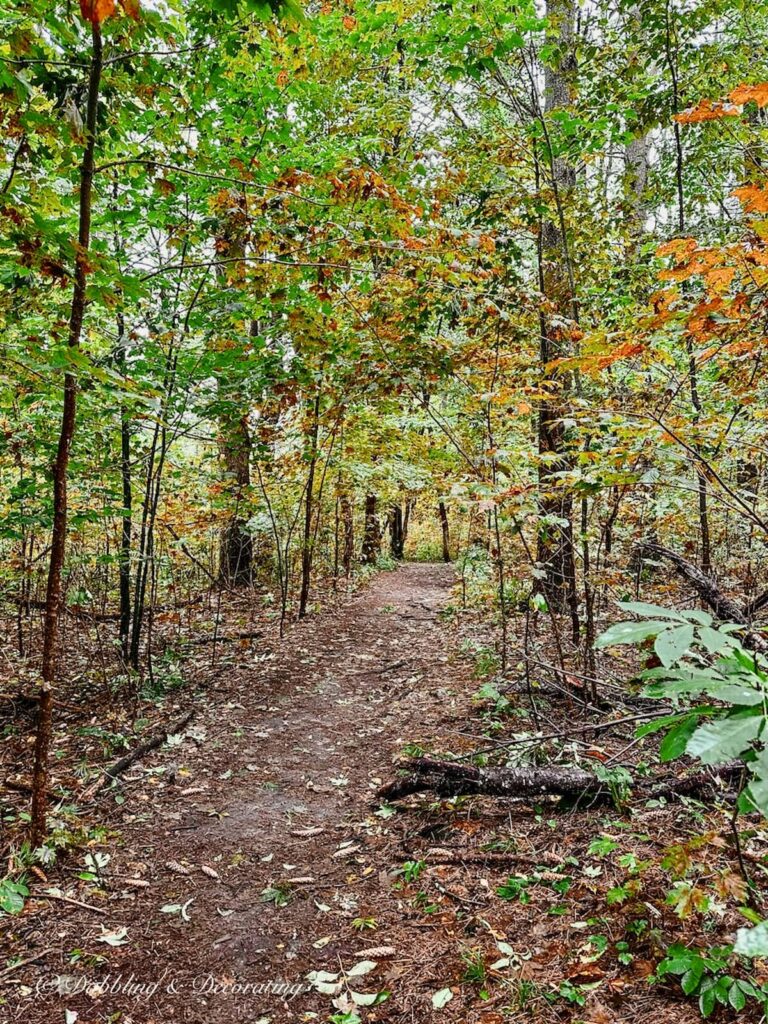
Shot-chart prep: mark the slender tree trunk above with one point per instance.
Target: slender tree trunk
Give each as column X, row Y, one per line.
column 61, row 463
column 555, row 548
column 445, row 530
column 126, row 526
column 348, row 526
column 701, row 480
column 396, row 531
column 307, row 541
column 371, row 534
column 236, row 543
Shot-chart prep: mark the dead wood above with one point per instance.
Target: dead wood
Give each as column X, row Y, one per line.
column 724, row 607
column 224, row 638
column 452, row 778
column 151, row 743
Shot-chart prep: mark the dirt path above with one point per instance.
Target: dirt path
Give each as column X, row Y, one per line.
column 274, row 791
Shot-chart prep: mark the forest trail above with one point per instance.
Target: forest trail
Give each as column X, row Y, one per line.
column 279, row 787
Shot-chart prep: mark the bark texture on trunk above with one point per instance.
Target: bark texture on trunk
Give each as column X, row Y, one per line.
column 348, row 528
column 451, row 778
column 445, row 530
column 396, row 531
column 236, row 544
column 61, row 462
column 307, row 540
column 371, row 533
column 555, row 551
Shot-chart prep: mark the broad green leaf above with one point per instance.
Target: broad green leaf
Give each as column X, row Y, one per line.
column 650, row 610
column 674, row 743
column 752, row 941
column 724, row 739
column 715, row 641
column 672, row 644
column 629, row 633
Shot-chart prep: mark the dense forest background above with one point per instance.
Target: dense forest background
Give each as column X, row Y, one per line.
column 288, row 295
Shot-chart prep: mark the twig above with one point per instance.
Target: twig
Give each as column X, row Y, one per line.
column 68, row 899
column 23, row 963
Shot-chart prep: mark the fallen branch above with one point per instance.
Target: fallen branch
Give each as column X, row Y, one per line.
column 23, row 963
column 722, row 605
column 707, row 590
column 67, row 899
column 451, row 778
column 151, row 743
column 225, row 638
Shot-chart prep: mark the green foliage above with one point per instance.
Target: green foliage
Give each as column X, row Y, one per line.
column 706, row 975
column 700, row 658
column 12, row 895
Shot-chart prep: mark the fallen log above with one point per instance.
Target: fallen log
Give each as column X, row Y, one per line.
column 705, row 587
column 453, row 778
column 225, row 638
column 151, row 743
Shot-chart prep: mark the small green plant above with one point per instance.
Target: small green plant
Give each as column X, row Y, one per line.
column 361, row 924
column 278, row 893
column 515, row 888
column 12, row 896
column 706, row 974
column 475, row 972
column 412, row 869
column 699, row 658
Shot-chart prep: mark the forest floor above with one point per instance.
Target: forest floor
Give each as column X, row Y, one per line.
column 253, row 850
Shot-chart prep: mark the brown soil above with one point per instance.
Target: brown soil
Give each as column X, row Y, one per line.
column 273, row 789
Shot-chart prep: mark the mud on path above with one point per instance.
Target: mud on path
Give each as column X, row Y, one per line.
column 271, row 794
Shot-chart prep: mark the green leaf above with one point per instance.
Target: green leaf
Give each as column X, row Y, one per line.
column 691, row 979
column 736, row 997
column 726, row 738
column 650, row 610
column 752, row 941
column 629, row 633
column 674, row 743
column 715, row 641
column 672, row 644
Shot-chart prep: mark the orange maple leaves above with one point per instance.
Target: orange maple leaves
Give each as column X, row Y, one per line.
column 714, row 110
column 753, row 198
column 97, row 11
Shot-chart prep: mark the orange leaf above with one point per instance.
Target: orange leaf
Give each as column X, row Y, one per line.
column 707, row 110
column 719, row 278
column 751, row 94
column 97, row 11
column 282, row 79
column 753, row 198
column 349, row 22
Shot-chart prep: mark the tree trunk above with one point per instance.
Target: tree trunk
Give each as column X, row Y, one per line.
column 396, row 531
column 371, row 534
column 61, row 462
column 307, row 545
column 555, row 552
column 126, row 526
column 348, row 526
column 236, row 544
column 443, row 513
